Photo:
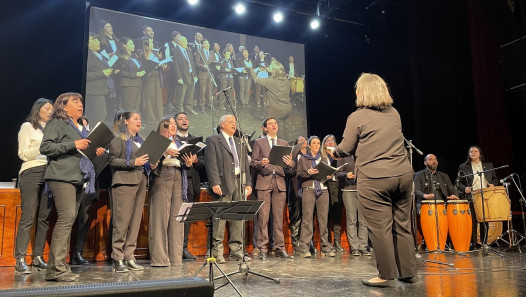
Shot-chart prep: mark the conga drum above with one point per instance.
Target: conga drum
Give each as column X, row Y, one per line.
column 428, row 222
column 459, row 224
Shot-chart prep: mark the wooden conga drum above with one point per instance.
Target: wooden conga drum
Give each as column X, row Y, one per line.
column 428, row 222
column 459, row 224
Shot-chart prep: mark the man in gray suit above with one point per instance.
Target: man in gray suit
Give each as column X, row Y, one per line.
column 227, row 169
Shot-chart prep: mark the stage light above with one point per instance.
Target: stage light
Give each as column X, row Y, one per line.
column 193, row 2
column 240, row 8
column 314, row 24
column 278, row 17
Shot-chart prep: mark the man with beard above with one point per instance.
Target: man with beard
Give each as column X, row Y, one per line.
column 432, row 184
column 194, row 182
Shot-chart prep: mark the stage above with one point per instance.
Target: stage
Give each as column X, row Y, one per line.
column 476, row 274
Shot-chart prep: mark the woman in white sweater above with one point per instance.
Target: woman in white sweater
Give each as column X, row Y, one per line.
column 31, row 183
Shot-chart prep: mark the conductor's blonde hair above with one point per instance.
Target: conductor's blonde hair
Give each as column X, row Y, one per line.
column 372, row 92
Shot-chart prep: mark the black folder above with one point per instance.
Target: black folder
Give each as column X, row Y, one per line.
column 324, row 171
column 278, row 151
column 100, row 136
column 189, row 148
column 154, row 145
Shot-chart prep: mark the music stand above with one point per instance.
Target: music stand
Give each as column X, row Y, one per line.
column 210, row 211
column 485, row 246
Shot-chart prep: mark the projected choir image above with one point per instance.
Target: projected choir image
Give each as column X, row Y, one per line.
column 160, row 68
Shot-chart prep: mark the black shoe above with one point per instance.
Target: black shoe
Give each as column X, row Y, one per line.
column 263, row 256
column 238, row 255
column 283, row 254
column 132, row 265
column 39, row 263
column 390, row 283
column 21, row 266
column 77, row 259
column 355, row 253
column 65, row 277
column 409, row 280
column 365, row 253
column 119, row 266
column 187, row 255
column 338, row 248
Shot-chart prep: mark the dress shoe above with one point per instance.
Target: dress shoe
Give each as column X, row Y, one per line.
column 39, row 263
column 77, row 259
column 409, row 280
column 306, row 255
column 338, row 248
column 328, row 254
column 21, row 266
column 355, row 253
column 390, row 283
column 283, row 254
column 132, row 265
column 219, row 258
column 65, row 277
column 187, row 255
column 365, row 253
column 256, row 252
column 238, row 255
column 263, row 256
column 119, row 266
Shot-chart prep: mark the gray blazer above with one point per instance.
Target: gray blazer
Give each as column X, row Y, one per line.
column 219, row 163
column 58, row 144
column 375, row 139
column 122, row 172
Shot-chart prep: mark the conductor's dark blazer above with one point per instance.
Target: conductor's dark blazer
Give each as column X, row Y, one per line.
column 466, row 169
column 181, row 66
column 261, row 149
column 219, row 162
column 96, row 81
column 124, row 173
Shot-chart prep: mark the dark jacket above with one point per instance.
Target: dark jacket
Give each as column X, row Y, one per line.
column 58, row 144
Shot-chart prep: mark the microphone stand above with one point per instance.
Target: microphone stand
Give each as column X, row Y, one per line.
column 511, row 232
column 245, row 146
column 410, row 147
column 485, row 246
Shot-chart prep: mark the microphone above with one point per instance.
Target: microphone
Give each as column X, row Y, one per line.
column 224, row 90
column 506, row 178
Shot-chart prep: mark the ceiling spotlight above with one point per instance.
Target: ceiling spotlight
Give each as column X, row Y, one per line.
column 278, row 17
column 240, row 8
column 314, row 24
column 193, row 2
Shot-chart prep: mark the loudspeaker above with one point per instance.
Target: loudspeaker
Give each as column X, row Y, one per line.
column 144, row 288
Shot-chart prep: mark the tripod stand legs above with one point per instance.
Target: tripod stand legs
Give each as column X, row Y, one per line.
column 212, row 262
column 244, row 268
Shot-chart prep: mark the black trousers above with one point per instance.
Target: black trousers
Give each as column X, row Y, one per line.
column 34, row 203
column 191, row 198
column 67, row 200
column 386, row 207
column 83, row 221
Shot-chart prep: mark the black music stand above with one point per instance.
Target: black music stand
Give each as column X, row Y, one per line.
column 210, row 211
column 485, row 246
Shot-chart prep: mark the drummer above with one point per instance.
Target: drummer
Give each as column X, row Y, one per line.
column 431, row 184
column 475, row 163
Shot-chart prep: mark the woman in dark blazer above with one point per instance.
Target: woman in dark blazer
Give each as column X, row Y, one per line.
column 313, row 194
column 373, row 134
column 66, row 173
column 475, row 163
column 128, row 190
column 31, row 182
column 129, row 76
